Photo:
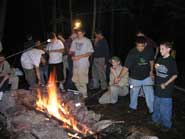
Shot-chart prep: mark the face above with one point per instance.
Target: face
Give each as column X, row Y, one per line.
column 38, row 43
column 164, row 50
column 80, row 34
column 98, row 36
column 73, row 35
column 115, row 63
column 140, row 47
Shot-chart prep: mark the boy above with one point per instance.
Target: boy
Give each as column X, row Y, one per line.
column 81, row 49
column 115, row 89
column 166, row 73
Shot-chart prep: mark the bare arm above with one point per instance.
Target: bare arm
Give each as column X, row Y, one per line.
column 172, row 79
column 38, row 74
column 152, row 69
column 5, row 77
column 122, row 74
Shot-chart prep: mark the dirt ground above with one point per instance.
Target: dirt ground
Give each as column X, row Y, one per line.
column 139, row 120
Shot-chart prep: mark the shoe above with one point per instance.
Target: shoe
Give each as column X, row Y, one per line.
column 154, row 123
column 130, row 110
column 164, row 129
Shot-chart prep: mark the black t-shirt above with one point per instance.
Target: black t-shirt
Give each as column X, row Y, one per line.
column 101, row 49
column 138, row 63
column 165, row 69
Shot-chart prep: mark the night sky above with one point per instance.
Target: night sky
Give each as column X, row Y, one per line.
column 159, row 19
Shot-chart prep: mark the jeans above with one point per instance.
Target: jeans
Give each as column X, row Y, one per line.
column 44, row 74
column 146, row 84
column 162, row 111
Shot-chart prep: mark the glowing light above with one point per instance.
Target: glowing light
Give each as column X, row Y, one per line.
column 77, row 24
column 131, row 86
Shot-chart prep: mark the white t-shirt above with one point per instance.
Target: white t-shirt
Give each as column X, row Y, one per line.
column 55, row 57
column 31, row 58
column 79, row 47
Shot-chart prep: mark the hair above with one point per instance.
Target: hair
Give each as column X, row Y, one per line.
column 167, row 44
column 52, row 35
column 80, row 30
column 99, row 32
column 140, row 39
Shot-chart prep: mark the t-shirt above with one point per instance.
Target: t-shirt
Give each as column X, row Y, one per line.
column 138, row 63
column 79, row 47
column 55, row 57
column 101, row 49
column 31, row 58
column 165, row 69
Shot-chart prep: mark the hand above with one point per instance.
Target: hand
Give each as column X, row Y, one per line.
column 75, row 58
column 117, row 80
column 39, row 82
column 163, row 86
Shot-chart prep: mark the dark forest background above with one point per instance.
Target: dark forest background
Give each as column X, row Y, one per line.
column 161, row 20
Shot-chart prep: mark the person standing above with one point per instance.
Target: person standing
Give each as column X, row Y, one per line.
column 166, row 73
column 55, row 49
column 81, row 49
column 30, row 61
column 100, row 60
column 139, row 63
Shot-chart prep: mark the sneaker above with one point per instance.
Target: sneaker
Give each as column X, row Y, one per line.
column 1, row 95
column 130, row 110
column 164, row 129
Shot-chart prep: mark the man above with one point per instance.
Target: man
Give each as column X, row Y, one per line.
column 139, row 64
column 30, row 61
column 81, row 49
column 100, row 55
column 115, row 89
column 55, row 49
column 8, row 73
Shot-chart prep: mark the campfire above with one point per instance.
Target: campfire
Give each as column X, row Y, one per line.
column 52, row 104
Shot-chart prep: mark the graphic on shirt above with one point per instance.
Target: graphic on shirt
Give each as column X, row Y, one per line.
column 161, row 71
column 142, row 61
column 79, row 46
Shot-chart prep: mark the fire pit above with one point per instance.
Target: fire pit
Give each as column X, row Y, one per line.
column 47, row 113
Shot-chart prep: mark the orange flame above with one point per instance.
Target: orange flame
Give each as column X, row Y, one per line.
column 54, row 107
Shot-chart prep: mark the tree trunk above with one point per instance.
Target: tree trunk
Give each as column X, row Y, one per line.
column 3, row 6
column 54, row 28
column 94, row 20
column 71, row 14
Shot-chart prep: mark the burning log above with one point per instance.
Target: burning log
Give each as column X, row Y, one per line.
column 39, row 114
